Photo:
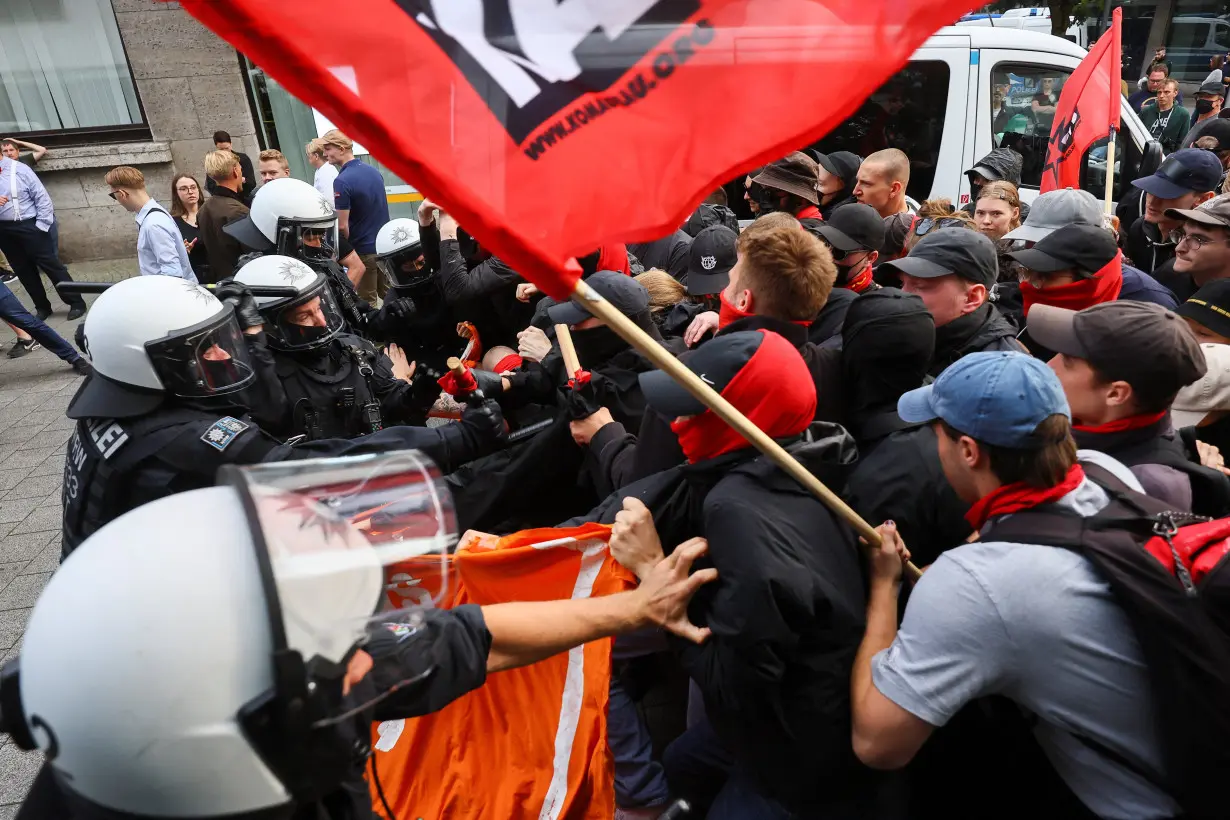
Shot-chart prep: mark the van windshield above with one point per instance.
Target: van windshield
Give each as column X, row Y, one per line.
column 907, row 112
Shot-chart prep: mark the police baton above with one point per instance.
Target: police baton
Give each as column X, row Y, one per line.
column 275, row 291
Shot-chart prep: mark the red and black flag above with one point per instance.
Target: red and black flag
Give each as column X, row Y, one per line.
column 1088, row 110
column 551, row 127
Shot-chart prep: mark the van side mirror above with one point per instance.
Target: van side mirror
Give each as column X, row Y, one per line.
column 1151, row 159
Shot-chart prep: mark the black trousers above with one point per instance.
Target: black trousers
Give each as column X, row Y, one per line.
column 28, row 250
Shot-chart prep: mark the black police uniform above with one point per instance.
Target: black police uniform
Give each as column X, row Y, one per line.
column 115, row 465
column 343, row 389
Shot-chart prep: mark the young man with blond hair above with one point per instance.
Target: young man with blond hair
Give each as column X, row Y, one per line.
column 272, row 164
column 361, row 205
column 224, row 207
column 325, row 172
column 160, row 245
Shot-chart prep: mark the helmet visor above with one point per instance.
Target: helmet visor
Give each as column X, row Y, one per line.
column 309, row 240
column 348, row 546
column 405, row 267
column 310, row 320
column 209, row 359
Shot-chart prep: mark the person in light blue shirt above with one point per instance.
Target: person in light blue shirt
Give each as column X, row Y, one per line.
column 160, row 246
column 28, row 236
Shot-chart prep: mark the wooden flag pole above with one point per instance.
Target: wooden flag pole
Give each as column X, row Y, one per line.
column 593, row 302
column 566, row 349
column 1110, row 170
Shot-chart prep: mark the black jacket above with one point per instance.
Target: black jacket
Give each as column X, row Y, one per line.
column 984, row 329
column 249, row 179
column 670, row 253
column 827, row 326
column 1008, row 164
column 787, row 613
column 624, row 458
column 1146, row 248
column 485, row 293
column 901, row 480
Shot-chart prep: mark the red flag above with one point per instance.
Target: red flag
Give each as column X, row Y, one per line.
column 1088, row 110
column 551, row 127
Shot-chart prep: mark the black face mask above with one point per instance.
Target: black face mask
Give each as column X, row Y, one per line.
column 1204, row 106
column 596, row 345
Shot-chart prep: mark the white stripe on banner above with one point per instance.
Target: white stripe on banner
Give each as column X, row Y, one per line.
column 574, row 691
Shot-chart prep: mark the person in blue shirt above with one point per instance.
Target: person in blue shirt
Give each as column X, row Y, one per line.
column 28, row 236
column 160, row 246
column 362, row 209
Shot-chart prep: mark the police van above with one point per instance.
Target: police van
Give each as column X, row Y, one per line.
column 939, row 110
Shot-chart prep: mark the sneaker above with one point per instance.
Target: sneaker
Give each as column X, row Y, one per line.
column 43, row 314
column 83, row 367
column 22, row 347
column 76, row 313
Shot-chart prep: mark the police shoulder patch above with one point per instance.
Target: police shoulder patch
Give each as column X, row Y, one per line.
column 223, row 431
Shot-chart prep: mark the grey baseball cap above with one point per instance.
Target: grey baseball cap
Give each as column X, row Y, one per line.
column 1055, row 209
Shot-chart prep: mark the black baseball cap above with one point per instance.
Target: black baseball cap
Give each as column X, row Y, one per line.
column 710, row 259
column 1083, row 249
column 959, row 251
column 844, row 164
column 625, row 294
column 1213, row 89
column 707, row 215
column 1137, row 342
column 771, row 364
column 1184, row 171
column 1219, row 130
column 854, row 227
column 1210, row 306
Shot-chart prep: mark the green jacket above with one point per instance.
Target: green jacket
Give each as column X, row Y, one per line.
column 1175, row 128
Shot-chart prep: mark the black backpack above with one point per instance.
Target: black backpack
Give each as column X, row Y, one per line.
column 1170, row 573
column 1210, row 488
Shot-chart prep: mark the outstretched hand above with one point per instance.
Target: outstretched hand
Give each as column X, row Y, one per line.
column 402, row 368
column 667, row 589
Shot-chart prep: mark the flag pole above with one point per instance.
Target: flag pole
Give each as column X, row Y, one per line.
column 663, row 360
column 1110, row 170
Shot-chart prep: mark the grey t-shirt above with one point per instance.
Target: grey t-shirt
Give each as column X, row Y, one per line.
column 1038, row 625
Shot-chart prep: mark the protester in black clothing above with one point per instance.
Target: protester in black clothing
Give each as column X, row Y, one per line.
column 855, row 236
column 784, row 617
column 838, row 175
column 1202, row 250
column 1208, row 313
column 222, row 142
column 185, row 204
column 1001, row 164
column 888, row 341
column 1184, row 180
column 781, row 280
column 953, row 270
column 706, row 216
column 711, row 255
column 1121, row 365
column 670, row 253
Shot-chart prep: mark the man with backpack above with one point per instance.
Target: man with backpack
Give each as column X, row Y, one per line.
column 1055, row 631
column 1121, row 365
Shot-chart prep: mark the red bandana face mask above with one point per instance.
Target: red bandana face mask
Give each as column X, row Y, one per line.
column 729, row 313
column 1012, row 498
column 1103, row 286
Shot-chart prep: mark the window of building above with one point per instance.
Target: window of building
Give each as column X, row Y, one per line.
column 63, row 69
column 1024, row 99
column 907, row 112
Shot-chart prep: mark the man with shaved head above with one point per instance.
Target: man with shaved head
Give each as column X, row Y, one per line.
column 882, row 180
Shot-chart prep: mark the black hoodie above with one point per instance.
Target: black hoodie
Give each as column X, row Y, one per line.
column 984, row 329
column 888, row 341
column 1006, row 164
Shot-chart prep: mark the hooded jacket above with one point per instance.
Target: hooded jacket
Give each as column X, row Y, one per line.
column 984, row 329
column 670, row 253
column 787, row 613
column 888, row 341
column 1146, row 247
column 1007, row 164
column 844, row 197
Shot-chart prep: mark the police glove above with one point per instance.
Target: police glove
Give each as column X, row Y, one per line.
column 237, row 294
column 485, row 419
column 394, row 315
column 491, row 383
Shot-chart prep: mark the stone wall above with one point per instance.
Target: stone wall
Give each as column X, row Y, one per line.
column 190, row 85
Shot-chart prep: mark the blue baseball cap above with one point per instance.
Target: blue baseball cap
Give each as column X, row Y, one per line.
column 1184, row 171
column 998, row 398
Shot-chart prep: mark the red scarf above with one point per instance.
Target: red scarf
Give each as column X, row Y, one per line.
column 861, row 282
column 1103, row 286
column 810, row 212
column 510, row 362
column 728, row 313
column 1019, row 496
column 1123, row 425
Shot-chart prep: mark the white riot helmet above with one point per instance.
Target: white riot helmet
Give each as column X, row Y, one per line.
column 309, row 320
column 217, row 645
column 291, row 218
column 153, row 335
column 399, row 253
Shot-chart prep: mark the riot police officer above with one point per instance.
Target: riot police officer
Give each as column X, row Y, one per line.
column 290, row 218
column 161, row 413
column 334, row 384
column 235, row 653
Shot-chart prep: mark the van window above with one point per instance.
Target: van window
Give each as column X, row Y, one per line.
column 907, row 112
column 1023, row 100
column 1188, row 35
column 1126, row 166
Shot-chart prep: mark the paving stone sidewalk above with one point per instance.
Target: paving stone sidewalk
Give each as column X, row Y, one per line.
column 34, row 392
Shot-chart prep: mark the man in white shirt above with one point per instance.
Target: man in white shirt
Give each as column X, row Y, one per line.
column 325, row 171
column 160, row 245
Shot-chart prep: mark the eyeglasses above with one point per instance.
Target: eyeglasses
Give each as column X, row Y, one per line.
column 115, row 195
column 1179, row 237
